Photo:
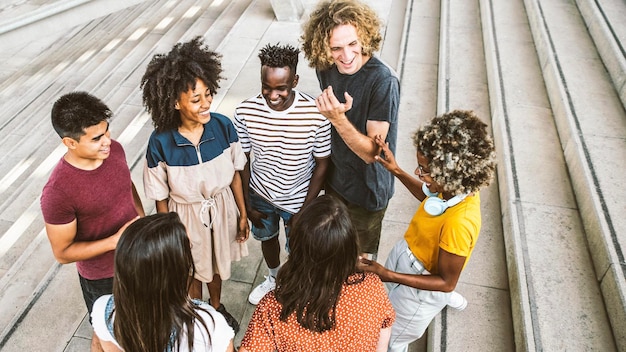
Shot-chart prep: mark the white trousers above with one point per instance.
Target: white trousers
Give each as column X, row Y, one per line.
column 415, row 309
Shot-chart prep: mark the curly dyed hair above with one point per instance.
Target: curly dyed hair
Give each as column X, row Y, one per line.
column 331, row 13
column 279, row 56
column 169, row 75
column 460, row 151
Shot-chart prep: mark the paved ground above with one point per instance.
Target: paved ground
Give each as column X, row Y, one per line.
column 515, row 63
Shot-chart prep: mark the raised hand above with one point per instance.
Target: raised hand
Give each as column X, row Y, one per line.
column 386, row 157
column 330, row 106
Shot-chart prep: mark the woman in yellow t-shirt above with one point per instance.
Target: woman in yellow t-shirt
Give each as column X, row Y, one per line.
column 455, row 157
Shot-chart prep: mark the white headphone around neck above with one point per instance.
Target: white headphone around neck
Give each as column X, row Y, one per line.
column 436, row 206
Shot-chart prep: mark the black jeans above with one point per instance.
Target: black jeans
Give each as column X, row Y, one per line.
column 93, row 289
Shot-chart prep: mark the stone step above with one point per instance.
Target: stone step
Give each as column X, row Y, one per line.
column 112, row 75
column 556, row 299
column 605, row 21
column 27, row 185
column 462, row 84
column 549, row 302
column 591, row 123
column 26, row 260
column 29, row 26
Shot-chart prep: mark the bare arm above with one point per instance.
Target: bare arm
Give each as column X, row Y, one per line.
column 388, row 160
column 317, row 179
column 450, row 266
column 67, row 250
column 316, row 183
column 161, row 206
column 383, row 340
column 108, row 346
column 243, row 228
column 137, row 201
column 230, row 347
column 254, row 215
column 361, row 144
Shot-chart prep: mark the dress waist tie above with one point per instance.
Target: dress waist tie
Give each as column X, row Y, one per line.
column 208, row 207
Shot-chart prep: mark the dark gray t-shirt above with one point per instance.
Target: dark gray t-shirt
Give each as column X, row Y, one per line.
column 375, row 89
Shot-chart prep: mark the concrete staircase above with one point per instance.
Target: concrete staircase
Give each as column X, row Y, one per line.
column 107, row 57
column 549, row 76
column 546, row 80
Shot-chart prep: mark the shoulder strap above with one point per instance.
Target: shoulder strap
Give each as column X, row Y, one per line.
column 108, row 315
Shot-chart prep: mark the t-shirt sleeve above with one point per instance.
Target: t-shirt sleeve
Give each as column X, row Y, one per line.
column 321, row 148
column 456, row 238
column 385, row 100
column 379, row 294
column 98, row 320
column 155, row 183
column 155, row 178
column 221, row 334
column 55, row 206
column 259, row 336
column 242, row 132
column 238, row 156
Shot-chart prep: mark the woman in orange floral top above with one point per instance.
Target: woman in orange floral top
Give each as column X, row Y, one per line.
column 321, row 303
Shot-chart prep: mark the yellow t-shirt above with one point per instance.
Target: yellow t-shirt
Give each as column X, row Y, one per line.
column 455, row 231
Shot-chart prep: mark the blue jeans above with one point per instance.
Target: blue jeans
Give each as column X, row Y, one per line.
column 93, row 289
column 271, row 223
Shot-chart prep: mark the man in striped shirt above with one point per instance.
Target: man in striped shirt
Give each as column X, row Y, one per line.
column 290, row 144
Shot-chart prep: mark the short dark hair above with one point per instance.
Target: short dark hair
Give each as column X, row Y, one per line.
column 279, row 56
column 323, row 256
column 73, row 112
column 169, row 75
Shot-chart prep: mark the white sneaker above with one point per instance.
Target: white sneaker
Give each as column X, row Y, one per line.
column 260, row 291
column 457, row 301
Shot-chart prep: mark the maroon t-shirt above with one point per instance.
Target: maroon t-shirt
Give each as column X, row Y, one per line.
column 101, row 201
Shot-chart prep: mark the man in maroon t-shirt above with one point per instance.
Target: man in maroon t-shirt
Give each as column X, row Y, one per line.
column 89, row 198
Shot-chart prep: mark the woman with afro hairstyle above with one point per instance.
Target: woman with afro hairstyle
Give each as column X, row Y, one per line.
column 193, row 162
column 456, row 158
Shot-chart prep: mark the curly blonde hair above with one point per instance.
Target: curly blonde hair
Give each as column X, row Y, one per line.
column 331, row 13
column 460, row 151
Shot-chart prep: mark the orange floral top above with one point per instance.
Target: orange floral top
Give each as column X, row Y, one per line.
column 363, row 310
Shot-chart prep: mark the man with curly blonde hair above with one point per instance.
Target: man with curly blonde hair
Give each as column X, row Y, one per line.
column 456, row 158
column 360, row 97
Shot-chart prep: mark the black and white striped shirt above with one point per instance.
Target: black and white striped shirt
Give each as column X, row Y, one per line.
column 283, row 146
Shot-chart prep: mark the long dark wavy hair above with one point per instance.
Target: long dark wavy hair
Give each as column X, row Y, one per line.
column 169, row 75
column 323, row 257
column 153, row 264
